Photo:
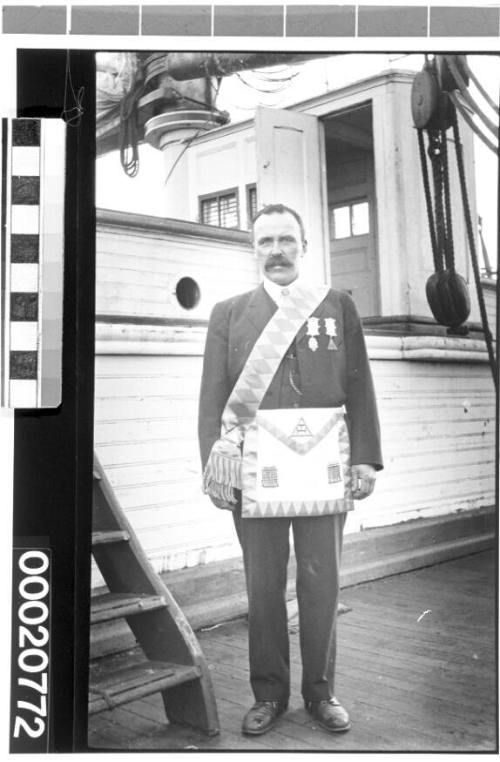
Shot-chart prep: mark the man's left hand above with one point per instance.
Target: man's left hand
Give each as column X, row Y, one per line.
column 363, row 480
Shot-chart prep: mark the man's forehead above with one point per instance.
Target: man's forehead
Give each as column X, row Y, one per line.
column 276, row 221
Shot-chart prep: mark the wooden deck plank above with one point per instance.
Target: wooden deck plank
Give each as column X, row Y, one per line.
column 460, row 652
column 425, row 690
column 425, row 686
column 402, row 701
column 400, row 668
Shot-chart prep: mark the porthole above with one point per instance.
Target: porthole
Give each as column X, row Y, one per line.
column 188, row 293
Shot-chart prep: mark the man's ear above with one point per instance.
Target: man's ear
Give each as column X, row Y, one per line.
column 304, row 245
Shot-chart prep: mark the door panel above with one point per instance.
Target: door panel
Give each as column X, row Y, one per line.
column 353, row 258
column 291, row 170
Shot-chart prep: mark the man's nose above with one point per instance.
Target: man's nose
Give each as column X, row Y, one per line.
column 275, row 248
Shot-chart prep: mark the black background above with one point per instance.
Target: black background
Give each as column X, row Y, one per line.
column 53, row 448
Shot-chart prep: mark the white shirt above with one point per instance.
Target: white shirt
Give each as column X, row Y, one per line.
column 276, row 292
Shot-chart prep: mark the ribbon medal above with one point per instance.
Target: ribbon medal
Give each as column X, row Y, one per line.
column 312, row 332
column 331, row 331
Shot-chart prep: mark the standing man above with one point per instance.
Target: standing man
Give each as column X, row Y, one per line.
column 286, row 386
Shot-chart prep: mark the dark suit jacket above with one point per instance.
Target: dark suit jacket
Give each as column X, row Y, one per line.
column 328, row 378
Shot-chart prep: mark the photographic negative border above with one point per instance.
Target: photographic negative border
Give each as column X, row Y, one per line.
column 48, row 453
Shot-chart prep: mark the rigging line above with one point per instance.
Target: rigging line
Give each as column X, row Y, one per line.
column 270, row 70
column 472, row 248
column 428, row 197
column 215, row 90
column 477, row 110
column 72, row 116
column 468, row 97
column 472, row 124
column 449, row 252
column 279, row 81
column 243, row 81
column 186, row 146
column 274, row 78
column 265, row 91
column 481, row 89
column 486, row 256
column 271, row 90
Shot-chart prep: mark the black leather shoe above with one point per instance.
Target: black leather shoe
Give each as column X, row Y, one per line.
column 329, row 714
column 262, row 717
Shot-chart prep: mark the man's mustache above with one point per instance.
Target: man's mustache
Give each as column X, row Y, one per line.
column 275, row 261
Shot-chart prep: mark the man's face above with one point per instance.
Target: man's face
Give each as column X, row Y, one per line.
column 279, row 246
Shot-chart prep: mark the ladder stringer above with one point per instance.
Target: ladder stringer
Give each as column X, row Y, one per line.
column 156, row 620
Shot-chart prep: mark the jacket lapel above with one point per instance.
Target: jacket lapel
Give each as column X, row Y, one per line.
column 260, row 309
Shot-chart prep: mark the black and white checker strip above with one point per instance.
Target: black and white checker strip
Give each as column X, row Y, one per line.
column 32, row 212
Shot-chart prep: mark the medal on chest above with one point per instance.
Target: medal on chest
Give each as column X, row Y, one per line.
column 313, row 332
column 331, row 331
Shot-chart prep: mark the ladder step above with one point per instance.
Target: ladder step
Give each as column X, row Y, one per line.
column 103, row 538
column 110, row 606
column 107, row 691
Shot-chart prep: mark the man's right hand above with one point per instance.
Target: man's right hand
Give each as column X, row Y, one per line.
column 222, row 504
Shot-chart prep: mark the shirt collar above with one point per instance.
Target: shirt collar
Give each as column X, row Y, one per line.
column 275, row 290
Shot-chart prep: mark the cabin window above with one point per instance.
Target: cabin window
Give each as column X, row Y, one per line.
column 351, row 219
column 221, row 209
column 251, row 203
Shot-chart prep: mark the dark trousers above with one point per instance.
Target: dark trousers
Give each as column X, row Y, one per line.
column 266, row 548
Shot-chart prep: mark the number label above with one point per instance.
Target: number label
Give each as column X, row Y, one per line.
column 31, row 650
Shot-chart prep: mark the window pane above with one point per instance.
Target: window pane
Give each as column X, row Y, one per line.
column 360, row 219
column 228, row 211
column 341, row 222
column 209, row 211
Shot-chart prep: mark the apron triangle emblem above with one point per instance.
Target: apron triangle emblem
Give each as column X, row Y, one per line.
column 301, row 429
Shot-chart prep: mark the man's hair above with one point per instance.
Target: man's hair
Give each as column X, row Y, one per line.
column 280, row 209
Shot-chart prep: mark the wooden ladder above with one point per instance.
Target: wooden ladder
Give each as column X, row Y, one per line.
column 174, row 664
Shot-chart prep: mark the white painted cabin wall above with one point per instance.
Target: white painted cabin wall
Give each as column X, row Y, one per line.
column 146, row 439
column 213, row 166
column 137, row 271
column 438, row 430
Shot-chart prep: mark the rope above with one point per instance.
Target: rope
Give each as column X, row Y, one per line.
column 437, row 173
column 479, row 86
column 449, row 252
column 186, row 145
column 72, row 116
column 486, row 258
column 428, row 199
column 467, row 117
column 129, row 129
column 474, row 257
column 459, row 80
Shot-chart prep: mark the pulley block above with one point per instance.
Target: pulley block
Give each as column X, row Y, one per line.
column 424, row 99
column 448, row 297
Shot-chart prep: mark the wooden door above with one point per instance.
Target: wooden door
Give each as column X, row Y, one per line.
column 291, row 170
column 352, row 233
